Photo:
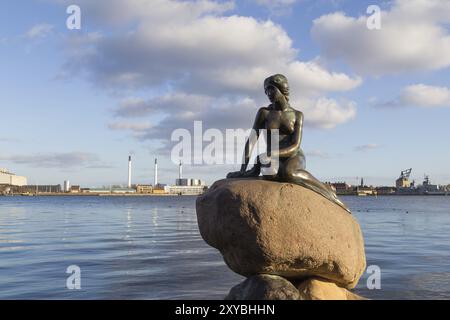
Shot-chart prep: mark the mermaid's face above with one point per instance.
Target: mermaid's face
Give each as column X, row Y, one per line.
column 273, row 93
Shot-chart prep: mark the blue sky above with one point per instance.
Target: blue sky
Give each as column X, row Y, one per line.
column 75, row 103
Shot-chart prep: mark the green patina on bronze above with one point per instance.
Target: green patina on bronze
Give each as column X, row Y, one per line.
column 279, row 115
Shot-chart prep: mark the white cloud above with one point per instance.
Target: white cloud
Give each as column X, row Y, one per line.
column 199, row 56
column 413, row 36
column 169, row 103
column 39, row 31
column 120, row 12
column 426, row 96
column 421, row 95
column 56, row 160
column 327, row 113
column 181, row 110
column 208, row 64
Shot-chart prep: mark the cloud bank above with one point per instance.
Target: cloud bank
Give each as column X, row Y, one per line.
column 414, row 36
column 57, row 160
column 420, row 95
column 199, row 61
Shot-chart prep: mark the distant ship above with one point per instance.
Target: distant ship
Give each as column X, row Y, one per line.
column 406, row 187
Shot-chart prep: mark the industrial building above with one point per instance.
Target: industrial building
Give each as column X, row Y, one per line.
column 189, row 182
column 75, row 189
column 185, row 186
column 108, row 190
column 8, row 178
column 40, row 189
column 185, row 190
column 342, row 188
column 144, row 189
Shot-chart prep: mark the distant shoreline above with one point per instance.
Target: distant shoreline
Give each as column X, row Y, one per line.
column 184, row 195
column 95, row 195
column 394, row 195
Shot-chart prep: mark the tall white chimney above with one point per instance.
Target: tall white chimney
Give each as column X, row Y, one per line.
column 156, row 173
column 129, row 172
column 180, row 171
column 66, row 185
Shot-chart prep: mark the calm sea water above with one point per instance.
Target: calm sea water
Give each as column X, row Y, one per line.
column 150, row 248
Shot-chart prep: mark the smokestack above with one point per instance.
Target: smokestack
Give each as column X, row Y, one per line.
column 180, row 171
column 129, row 172
column 66, row 185
column 156, row 172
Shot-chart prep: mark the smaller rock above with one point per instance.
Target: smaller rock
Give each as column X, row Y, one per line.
column 264, row 287
column 321, row 289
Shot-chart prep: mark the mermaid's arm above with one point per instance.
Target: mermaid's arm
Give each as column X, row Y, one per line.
column 297, row 139
column 250, row 143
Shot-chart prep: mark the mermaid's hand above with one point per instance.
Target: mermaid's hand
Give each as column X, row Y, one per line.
column 235, row 174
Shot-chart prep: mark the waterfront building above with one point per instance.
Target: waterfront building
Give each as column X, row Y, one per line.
column 186, row 190
column 144, row 189
column 40, row 189
column 108, row 190
column 5, row 189
column 123, row 190
column 342, row 188
column 185, row 186
column 96, row 190
column 75, row 189
column 385, row 190
column 183, row 182
column 365, row 191
column 159, row 191
column 11, row 179
column 189, row 182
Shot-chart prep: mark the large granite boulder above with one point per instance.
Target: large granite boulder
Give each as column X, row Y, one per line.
column 281, row 229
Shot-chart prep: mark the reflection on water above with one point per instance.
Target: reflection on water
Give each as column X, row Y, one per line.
column 150, row 248
column 408, row 237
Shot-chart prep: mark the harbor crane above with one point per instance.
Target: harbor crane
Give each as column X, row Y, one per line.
column 403, row 180
column 405, row 173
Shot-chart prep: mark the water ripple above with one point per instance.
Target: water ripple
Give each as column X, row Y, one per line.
column 150, row 248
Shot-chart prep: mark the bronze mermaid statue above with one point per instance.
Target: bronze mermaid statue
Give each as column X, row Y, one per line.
column 288, row 122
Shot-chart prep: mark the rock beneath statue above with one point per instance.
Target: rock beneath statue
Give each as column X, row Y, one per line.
column 264, row 287
column 319, row 289
column 266, row 227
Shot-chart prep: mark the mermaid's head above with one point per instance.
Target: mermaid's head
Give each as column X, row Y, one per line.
column 278, row 81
